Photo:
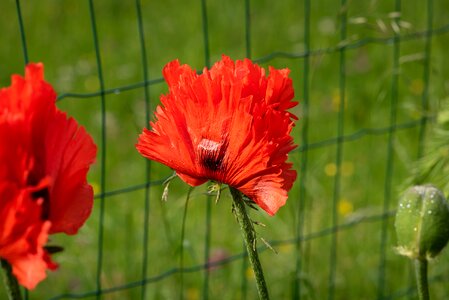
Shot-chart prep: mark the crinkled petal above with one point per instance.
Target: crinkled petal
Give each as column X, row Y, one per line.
column 229, row 124
column 30, row 268
column 23, row 235
column 44, row 159
column 69, row 153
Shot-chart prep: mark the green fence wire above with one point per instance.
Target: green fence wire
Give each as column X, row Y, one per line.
column 146, row 222
column 102, row 147
column 303, row 233
column 300, row 230
column 339, row 149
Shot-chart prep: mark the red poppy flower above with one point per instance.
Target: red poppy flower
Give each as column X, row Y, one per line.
column 44, row 159
column 231, row 125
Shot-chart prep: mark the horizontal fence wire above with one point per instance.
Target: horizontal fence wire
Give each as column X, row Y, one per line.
column 347, row 45
column 306, row 145
column 408, row 291
column 233, row 258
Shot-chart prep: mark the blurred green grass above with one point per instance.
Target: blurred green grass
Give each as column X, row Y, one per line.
column 59, row 34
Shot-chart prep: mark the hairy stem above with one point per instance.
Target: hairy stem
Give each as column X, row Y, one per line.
column 249, row 235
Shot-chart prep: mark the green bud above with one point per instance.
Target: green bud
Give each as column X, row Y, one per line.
column 422, row 222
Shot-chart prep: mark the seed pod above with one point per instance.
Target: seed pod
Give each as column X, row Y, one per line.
column 422, row 222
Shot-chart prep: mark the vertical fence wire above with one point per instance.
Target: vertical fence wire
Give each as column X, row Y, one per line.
column 390, row 153
column 205, row 29
column 248, row 28
column 22, row 32
column 103, row 150
column 339, row 150
column 244, row 279
column 426, row 79
column 303, row 167
column 147, row 165
column 25, row 59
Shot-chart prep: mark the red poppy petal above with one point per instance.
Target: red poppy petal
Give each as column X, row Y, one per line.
column 30, row 269
column 43, row 153
column 29, row 96
column 269, row 191
column 23, row 235
column 167, row 138
column 193, row 181
column 70, row 151
column 155, row 145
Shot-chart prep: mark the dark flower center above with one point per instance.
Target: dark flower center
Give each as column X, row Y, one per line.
column 42, row 192
column 45, row 195
column 211, row 154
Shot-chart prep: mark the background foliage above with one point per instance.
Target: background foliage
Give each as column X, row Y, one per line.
column 334, row 238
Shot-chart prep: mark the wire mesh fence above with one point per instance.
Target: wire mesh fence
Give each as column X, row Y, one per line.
column 370, row 78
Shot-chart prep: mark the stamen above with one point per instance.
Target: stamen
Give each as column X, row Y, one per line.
column 209, row 145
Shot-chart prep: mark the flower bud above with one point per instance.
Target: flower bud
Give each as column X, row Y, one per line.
column 422, row 222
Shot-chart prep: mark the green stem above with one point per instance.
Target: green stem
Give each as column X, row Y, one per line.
column 12, row 286
column 421, row 278
column 249, row 235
